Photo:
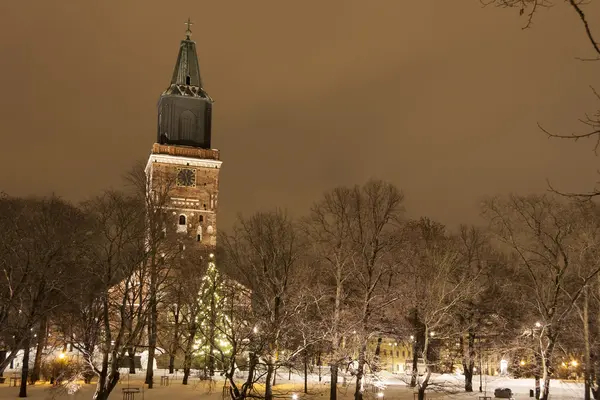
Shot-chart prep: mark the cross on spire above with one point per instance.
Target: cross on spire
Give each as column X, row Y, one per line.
column 188, row 31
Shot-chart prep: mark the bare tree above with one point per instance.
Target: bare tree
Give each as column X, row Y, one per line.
column 162, row 246
column 441, row 284
column 263, row 253
column 39, row 262
column 539, row 231
column 119, row 311
column 328, row 228
column 375, row 211
column 529, row 8
column 586, row 259
column 487, row 314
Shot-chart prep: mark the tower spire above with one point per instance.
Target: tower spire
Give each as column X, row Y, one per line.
column 187, row 69
column 184, row 108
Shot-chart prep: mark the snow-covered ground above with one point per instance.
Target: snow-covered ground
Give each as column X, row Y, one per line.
column 395, row 388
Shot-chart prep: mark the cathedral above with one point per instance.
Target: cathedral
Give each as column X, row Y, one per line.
column 182, row 157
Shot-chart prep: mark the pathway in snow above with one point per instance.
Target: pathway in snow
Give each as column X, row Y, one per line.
column 395, row 388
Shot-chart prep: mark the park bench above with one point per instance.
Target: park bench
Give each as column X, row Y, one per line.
column 15, row 380
column 130, row 392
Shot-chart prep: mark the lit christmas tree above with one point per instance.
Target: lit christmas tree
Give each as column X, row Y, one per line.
column 212, row 343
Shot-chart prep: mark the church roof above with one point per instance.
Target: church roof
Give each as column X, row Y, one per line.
column 187, row 68
column 186, row 80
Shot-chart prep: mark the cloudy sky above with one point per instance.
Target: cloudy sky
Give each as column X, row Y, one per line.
column 439, row 97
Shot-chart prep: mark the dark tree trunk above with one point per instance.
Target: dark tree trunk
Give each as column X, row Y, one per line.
column 175, row 339
column 548, row 367
column 468, row 360
column 421, row 393
column 377, row 352
column 11, row 355
column 306, row 374
column 268, row 379
column 334, row 379
column 2, row 358
column 152, row 326
column 415, row 364
column 358, row 392
column 186, row 373
column 187, row 360
column 103, row 392
column 211, row 334
column 37, row 363
column 25, row 369
column 131, row 357
column 171, row 363
column 586, row 336
column 151, row 351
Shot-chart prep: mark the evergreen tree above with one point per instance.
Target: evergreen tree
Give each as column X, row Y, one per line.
column 212, row 342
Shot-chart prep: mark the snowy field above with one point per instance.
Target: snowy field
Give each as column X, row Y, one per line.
column 395, row 388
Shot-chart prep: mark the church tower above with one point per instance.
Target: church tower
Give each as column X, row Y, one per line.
column 182, row 163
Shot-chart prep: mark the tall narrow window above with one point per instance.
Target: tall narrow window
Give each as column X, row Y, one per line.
column 187, row 125
column 201, row 218
column 188, row 80
column 182, row 220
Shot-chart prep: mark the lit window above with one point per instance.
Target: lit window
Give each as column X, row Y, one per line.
column 182, row 226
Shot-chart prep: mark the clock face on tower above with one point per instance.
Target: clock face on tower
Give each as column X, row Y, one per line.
column 186, row 177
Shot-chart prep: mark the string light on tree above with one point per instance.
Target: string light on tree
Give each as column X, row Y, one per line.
column 212, row 343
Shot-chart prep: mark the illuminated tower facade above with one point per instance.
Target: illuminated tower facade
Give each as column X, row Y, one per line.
column 182, row 160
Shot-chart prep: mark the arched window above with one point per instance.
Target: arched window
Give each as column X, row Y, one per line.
column 187, row 125
column 182, row 224
column 201, row 218
column 188, row 80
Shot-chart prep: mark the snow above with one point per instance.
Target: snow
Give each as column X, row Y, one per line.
column 394, row 388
